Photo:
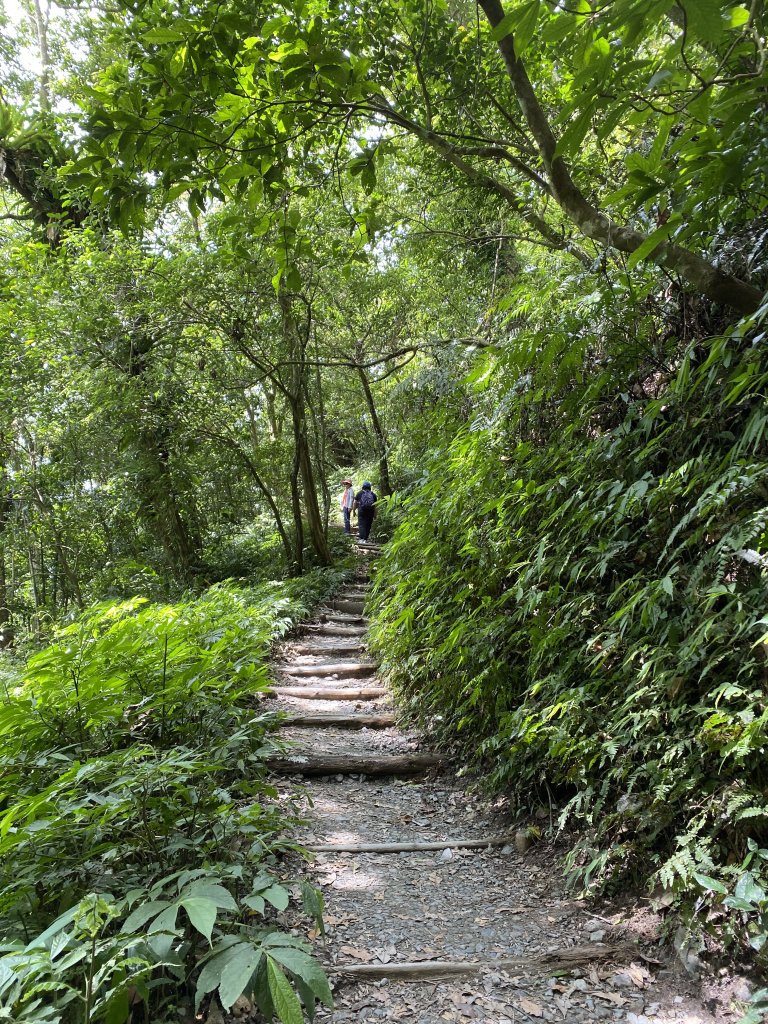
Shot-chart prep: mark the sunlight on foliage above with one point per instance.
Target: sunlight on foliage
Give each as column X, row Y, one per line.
column 139, row 839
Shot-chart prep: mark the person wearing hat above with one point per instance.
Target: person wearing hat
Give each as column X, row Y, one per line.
column 365, row 505
column 347, row 500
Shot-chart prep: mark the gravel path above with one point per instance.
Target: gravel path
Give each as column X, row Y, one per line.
column 493, row 905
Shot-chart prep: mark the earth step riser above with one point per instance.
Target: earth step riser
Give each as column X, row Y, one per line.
column 354, row 668
column 352, row 607
column 353, row 764
column 340, row 721
column 342, row 618
column 329, row 693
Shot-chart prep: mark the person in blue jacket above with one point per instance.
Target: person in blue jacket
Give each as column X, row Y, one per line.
column 365, row 506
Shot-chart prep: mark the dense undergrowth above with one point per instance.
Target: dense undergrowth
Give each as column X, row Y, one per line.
column 577, row 593
column 139, row 841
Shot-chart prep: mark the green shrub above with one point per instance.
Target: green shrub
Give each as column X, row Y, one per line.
column 577, row 591
column 139, row 840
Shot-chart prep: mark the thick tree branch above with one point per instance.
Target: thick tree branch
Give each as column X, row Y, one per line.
column 592, row 222
column 452, row 155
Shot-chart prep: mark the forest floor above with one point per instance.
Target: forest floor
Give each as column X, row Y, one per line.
column 393, row 918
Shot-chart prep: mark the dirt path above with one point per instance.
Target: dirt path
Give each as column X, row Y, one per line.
column 396, row 920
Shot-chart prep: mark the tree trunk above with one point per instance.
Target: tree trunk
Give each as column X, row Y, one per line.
column 296, row 347
column 385, row 488
column 41, row 31
column 6, row 505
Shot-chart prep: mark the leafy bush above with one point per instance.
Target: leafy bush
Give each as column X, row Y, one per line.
column 577, row 591
column 139, row 840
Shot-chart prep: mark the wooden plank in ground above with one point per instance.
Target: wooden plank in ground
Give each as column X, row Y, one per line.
column 382, row 721
column 448, row 844
column 558, row 959
column 333, row 629
column 329, row 693
column 352, row 764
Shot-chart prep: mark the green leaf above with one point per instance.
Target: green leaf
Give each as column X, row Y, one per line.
column 653, row 241
column 310, row 972
column 202, row 914
column 139, row 917
column 738, row 17
column 162, row 931
column 285, row 999
column 237, row 972
column 503, row 28
column 704, row 19
column 210, row 976
column 211, row 891
column 712, row 884
column 526, row 27
column 163, row 35
column 277, row 896
column 335, row 74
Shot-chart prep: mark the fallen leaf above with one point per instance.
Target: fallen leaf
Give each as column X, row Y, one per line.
column 639, row 975
column 532, row 1009
column 357, row 954
column 610, row 997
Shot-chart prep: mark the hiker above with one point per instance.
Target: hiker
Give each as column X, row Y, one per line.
column 365, row 506
column 347, row 501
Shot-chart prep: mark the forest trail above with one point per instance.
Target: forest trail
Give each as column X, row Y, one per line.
column 432, row 913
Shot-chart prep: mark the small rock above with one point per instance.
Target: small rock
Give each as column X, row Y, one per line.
column 637, row 1018
column 621, row 981
column 742, row 990
column 597, row 936
column 506, row 850
column 444, row 855
column 241, row 1007
column 522, row 841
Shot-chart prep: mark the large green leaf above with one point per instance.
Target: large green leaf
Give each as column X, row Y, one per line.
column 285, row 999
column 202, row 913
column 237, row 970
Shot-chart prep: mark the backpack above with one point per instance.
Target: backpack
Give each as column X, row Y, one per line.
column 366, row 500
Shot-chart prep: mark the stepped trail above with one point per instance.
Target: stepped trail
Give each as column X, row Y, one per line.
column 432, row 914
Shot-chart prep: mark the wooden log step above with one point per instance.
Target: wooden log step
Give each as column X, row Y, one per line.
column 329, row 693
column 335, row 629
column 426, row 847
column 340, row 722
column 330, row 668
column 318, row 650
column 352, row 764
column 421, row 970
column 344, row 618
